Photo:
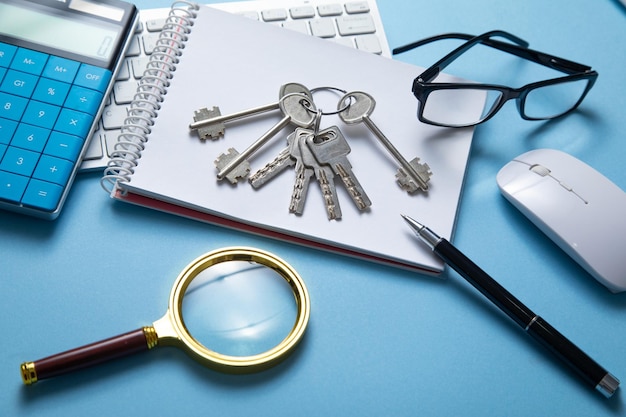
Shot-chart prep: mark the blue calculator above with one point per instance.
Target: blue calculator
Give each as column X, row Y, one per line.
column 58, row 61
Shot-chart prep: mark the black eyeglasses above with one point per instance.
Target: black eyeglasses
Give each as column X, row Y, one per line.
column 439, row 102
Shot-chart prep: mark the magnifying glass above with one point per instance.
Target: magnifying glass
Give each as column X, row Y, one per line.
column 239, row 301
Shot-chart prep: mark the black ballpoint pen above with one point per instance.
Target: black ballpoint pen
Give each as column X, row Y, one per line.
column 544, row 333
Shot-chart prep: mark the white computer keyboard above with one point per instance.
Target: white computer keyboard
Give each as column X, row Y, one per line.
column 356, row 24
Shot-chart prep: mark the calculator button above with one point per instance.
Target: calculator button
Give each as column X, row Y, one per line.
column 42, row 194
column 12, row 186
column 30, row 137
column 2, row 72
column 29, row 61
column 63, row 146
column 53, row 169
column 93, row 77
column 83, row 99
column 73, row 122
column 7, row 128
column 12, row 107
column 61, row 69
column 19, row 83
column 6, row 54
column 3, row 149
column 19, row 161
column 50, row 91
column 41, row 114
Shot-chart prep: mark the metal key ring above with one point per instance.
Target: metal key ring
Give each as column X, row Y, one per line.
column 322, row 113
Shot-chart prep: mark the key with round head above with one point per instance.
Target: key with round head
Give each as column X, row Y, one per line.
column 297, row 109
column 303, row 173
column 357, row 107
column 211, row 124
column 331, row 148
column 282, row 161
column 325, row 178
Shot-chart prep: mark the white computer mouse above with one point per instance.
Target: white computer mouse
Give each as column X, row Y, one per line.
column 581, row 210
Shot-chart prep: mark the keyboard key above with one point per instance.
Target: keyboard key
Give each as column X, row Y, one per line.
column 43, row 195
column 53, row 169
column 301, row 26
column 19, row 83
column 41, row 114
column 94, row 150
column 12, row 186
column 124, row 92
column 368, row 43
column 12, row 107
column 19, row 161
column 330, row 10
column 113, row 117
column 61, row 69
column 93, row 77
column 303, row 12
column 357, row 7
column 323, row 28
column 274, row 15
column 7, row 129
column 63, row 145
column 51, row 91
column 6, row 54
column 83, row 99
column 30, row 137
column 73, row 122
column 29, row 61
column 355, row 25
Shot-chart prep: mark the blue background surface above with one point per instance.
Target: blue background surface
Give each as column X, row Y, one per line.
column 381, row 341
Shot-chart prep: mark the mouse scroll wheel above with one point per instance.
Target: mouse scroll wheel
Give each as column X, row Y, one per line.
column 540, row 170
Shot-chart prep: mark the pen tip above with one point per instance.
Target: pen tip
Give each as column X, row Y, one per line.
column 412, row 222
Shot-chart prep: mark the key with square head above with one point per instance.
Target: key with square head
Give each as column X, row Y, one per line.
column 210, row 124
column 282, row 161
column 324, row 175
column 303, row 173
column 412, row 175
column 297, row 109
column 331, row 148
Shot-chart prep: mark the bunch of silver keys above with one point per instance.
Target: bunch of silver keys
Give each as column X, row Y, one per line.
column 311, row 152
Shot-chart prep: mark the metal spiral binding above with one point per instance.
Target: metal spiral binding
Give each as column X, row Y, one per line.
column 146, row 101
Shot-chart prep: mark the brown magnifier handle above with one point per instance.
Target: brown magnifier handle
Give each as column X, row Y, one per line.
column 89, row 355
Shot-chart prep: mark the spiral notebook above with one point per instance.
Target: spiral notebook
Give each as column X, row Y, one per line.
column 207, row 58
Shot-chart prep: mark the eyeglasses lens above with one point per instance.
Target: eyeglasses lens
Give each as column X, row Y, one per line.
column 553, row 100
column 456, row 107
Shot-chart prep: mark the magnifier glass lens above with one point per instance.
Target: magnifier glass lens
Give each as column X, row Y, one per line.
column 239, row 308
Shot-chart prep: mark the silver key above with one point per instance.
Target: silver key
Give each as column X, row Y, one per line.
column 412, row 175
column 303, row 174
column 283, row 161
column 324, row 175
column 297, row 108
column 210, row 124
column 331, row 148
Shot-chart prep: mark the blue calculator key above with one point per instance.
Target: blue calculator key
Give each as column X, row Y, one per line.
column 50, row 91
column 92, row 77
column 53, row 169
column 19, row 161
column 30, row 137
column 12, row 186
column 6, row 54
column 2, row 72
column 29, row 61
column 43, row 195
column 61, row 69
column 83, row 99
column 41, row 114
column 64, row 146
column 12, row 107
column 7, row 129
column 74, row 122
column 19, row 83
column 3, row 149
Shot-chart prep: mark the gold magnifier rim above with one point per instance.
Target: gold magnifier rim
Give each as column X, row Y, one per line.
column 228, row 363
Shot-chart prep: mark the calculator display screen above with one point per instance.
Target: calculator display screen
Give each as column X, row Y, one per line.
column 95, row 39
